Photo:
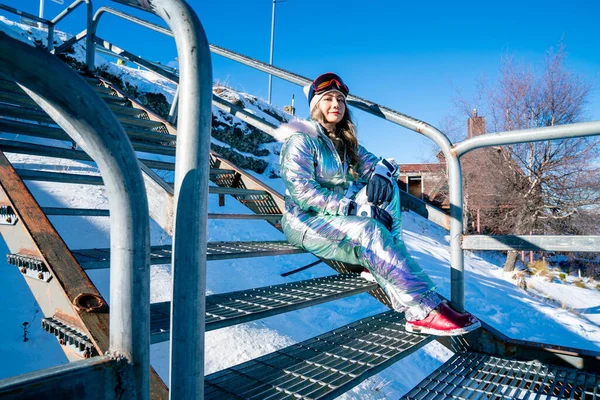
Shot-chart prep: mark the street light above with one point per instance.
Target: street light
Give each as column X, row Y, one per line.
column 41, row 15
column 272, row 44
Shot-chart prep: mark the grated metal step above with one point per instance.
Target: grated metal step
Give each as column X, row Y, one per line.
column 10, row 86
column 30, row 266
column 100, row 258
column 79, row 212
column 69, row 336
column 61, row 152
column 234, row 308
column 63, row 177
column 93, row 212
column 7, row 216
column 49, row 132
column 323, row 367
column 7, row 110
column 127, row 115
column 471, row 375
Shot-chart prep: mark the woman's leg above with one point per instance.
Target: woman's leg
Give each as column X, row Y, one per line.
column 364, row 241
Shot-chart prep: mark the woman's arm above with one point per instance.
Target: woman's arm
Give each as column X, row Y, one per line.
column 367, row 163
column 298, row 172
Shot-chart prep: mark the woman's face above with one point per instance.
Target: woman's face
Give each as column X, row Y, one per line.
column 333, row 107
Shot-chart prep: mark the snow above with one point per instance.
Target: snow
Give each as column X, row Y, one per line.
column 550, row 312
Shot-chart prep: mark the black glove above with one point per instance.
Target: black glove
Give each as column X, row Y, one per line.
column 372, row 212
column 380, row 188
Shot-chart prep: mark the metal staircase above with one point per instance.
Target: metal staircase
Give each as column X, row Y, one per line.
column 486, row 365
column 148, row 133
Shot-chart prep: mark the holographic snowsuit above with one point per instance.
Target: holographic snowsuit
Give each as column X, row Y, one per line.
column 319, row 189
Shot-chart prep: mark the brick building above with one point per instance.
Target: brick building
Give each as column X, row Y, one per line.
column 429, row 181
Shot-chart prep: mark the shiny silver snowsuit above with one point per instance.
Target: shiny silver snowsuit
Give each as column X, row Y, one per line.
column 319, row 189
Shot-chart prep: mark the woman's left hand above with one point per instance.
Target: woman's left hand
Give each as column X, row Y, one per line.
column 379, row 190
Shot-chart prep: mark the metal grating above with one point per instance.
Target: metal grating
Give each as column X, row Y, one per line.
column 100, row 258
column 471, row 375
column 323, row 367
column 30, row 266
column 69, row 336
column 248, row 305
column 7, row 216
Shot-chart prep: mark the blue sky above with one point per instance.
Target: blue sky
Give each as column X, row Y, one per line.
column 399, row 54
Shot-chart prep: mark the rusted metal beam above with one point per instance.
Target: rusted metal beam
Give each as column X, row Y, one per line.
column 34, row 235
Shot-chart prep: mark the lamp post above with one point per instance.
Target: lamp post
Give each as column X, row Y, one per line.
column 272, row 44
column 40, row 25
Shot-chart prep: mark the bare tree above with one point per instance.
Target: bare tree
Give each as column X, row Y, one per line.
column 535, row 187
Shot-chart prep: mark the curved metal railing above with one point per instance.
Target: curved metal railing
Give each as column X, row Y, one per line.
column 88, row 120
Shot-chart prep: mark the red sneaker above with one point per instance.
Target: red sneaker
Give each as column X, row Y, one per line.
column 444, row 321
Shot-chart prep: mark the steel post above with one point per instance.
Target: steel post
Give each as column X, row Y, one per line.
column 74, row 105
column 174, row 108
column 271, row 49
column 89, row 40
column 50, row 37
column 191, row 195
column 41, row 12
column 90, row 49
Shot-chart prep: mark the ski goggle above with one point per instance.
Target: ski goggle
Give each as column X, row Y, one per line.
column 328, row 81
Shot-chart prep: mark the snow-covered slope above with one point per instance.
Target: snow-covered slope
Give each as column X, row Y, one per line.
column 490, row 294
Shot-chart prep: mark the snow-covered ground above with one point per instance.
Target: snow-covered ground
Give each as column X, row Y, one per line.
column 570, row 318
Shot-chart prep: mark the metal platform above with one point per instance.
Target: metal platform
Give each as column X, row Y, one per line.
column 233, row 308
column 471, row 375
column 100, row 258
column 320, row 368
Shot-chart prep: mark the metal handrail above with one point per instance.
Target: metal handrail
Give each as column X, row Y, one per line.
column 44, row 21
column 74, row 105
column 191, row 196
column 52, row 23
column 89, row 41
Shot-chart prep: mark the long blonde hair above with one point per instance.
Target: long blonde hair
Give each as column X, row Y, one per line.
column 345, row 133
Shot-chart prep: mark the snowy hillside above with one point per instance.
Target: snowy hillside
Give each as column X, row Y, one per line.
column 570, row 320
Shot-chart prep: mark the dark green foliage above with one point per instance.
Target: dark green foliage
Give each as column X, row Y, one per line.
column 253, row 164
column 157, row 102
column 241, row 136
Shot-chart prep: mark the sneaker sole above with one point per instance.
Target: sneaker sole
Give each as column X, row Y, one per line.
column 435, row 332
column 368, row 277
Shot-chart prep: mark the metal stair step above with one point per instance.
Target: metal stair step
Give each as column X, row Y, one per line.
column 23, row 100
column 50, row 132
column 234, row 308
column 61, row 177
column 93, row 212
column 58, row 152
column 80, row 212
column 10, row 86
column 100, row 258
column 470, row 375
column 86, row 179
column 18, row 97
column 323, row 367
column 115, row 99
column 142, row 123
column 269, row 217
column 37, row 115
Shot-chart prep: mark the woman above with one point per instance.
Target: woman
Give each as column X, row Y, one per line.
column 342, row 203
